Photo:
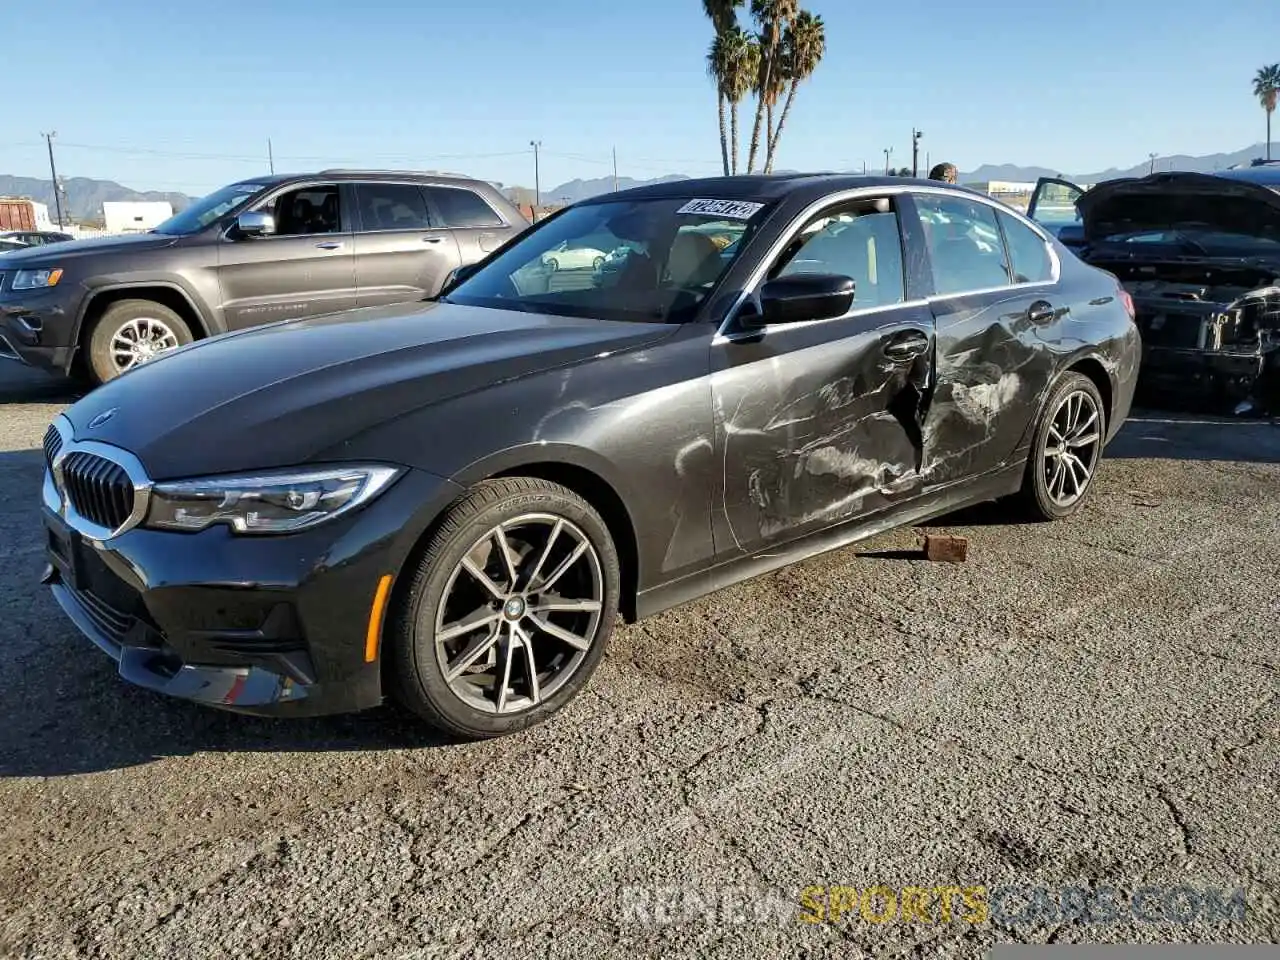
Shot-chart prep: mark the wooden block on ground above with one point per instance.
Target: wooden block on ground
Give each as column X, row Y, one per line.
column 946, row 549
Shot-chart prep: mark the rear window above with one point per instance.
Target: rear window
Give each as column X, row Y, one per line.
column 1028, row 253
column 463, row 208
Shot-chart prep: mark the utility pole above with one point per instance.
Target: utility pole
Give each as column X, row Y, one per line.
column 887, row 154
column 537, row 182
column 1152, row 158
column 271, row 157
column 53, row 174
column 615, row 169
column 915, row 151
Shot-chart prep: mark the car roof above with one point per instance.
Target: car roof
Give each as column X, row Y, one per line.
column 1267, row 174
column 427, row 176
column 768, row 187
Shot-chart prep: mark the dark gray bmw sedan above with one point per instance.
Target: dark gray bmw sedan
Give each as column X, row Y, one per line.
column 451, row 503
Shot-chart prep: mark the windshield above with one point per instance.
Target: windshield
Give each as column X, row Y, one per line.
column 208, row 209
column 1201, row 240
column 635, row 260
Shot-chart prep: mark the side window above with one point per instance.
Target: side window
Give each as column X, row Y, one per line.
column 1028, row 253
column 861, row 241
column 964, row 244
column 392, row 206
column 463, row 208
column 307, row 210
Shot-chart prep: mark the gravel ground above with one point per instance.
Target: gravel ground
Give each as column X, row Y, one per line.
column 1089, row 704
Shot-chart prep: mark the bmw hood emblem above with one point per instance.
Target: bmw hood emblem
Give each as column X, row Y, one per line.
column 102, row 418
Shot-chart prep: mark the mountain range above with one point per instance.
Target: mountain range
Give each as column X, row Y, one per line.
column 576, row 190
column 85, row 196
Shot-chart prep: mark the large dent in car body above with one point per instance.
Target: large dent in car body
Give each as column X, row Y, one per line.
column 824, row 436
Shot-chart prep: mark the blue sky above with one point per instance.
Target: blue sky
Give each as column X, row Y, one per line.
column 183, row 96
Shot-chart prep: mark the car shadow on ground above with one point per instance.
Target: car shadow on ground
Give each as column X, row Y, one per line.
column 19, row 384
column 1162, row 435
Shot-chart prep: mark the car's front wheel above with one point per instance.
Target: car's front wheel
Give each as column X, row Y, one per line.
column 1066, row 450
column 508, row 611
column 131, row 332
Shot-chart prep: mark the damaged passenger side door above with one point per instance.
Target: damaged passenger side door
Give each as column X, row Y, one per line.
column 818, row 416
column 999, row 314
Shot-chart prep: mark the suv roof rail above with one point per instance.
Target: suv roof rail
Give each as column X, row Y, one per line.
column 396, row 173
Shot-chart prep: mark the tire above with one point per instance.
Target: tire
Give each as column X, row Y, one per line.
column 553, row 264
column 135, row 321
column 1048, row 494
column 439, row 593
column 598, row 263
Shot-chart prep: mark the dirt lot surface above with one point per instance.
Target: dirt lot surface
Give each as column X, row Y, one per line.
column 1090, row 704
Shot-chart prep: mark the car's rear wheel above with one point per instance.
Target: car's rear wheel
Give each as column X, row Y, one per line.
column 1067, row 449
column 508, row 611
column 131, row 332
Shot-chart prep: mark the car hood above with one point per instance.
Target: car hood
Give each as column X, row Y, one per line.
column 72, row 249
column 1166, row 200
column 281, row 394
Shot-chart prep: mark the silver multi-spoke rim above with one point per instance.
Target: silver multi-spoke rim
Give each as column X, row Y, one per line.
column 519, row 613
column 1071, row 448
column 140, row 340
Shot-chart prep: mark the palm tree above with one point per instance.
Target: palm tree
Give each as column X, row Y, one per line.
column 1266, row 87
column 774, row 18
column 741, row 60
column 803, row 47
column 723, row 15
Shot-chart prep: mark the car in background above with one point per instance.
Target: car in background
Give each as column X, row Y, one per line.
column 8, row 246
column 260, row 250
column 1200, row 255
column 564, row 257
column 36, row 238
column 452, row 503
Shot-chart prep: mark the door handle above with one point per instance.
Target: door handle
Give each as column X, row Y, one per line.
column 907, row 346
column 1041, row 312
column 329, row 245
column 432, row 239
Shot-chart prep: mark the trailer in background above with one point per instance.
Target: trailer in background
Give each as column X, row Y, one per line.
column 17, row 213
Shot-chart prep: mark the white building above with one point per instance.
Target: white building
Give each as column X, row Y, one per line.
column 135, row 216
column 43, row 220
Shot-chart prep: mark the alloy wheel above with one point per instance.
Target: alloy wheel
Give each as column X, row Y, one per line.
column 519, row 613
column 1072, row 446
column 140, row 340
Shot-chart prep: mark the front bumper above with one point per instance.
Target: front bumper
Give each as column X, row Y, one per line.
column 38, row 327
column 263, row 625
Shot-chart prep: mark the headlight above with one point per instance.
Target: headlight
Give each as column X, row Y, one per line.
column 37, row 279
column 266, row 503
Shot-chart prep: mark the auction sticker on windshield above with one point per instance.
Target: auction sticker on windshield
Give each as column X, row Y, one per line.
column 730, row 209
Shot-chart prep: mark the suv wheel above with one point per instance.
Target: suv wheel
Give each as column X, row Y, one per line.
column 130, row 333
column 508, row 611
column 1066, row 451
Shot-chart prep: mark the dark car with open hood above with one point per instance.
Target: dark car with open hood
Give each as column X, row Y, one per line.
column 452, row 503
column 1200, row 255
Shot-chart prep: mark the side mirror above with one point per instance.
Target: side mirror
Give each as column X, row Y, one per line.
column 457, row 275
column 804, row 296
column 254, row 223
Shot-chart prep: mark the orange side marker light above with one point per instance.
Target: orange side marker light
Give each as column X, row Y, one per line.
column 379, row 608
